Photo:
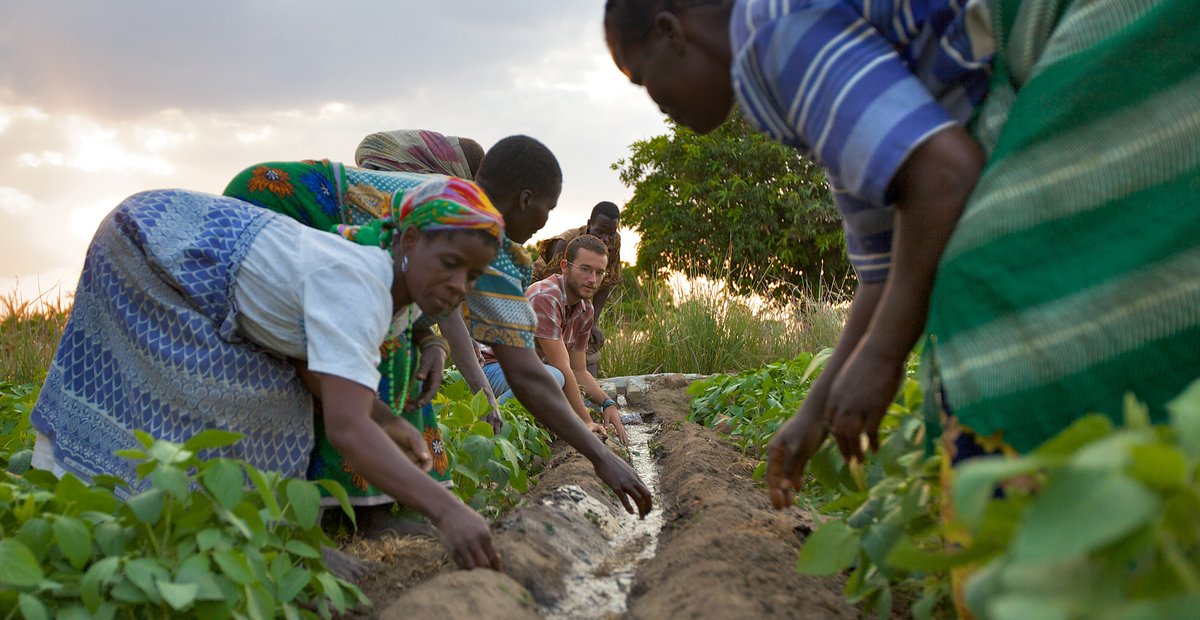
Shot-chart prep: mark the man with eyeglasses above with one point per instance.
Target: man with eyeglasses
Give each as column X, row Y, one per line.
column 602, row 224
column 565, row 317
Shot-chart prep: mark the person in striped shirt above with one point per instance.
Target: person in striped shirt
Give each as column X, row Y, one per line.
column 877, row 93
column 1052, row 281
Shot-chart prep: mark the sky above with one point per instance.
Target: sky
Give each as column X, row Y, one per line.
column 99, row 100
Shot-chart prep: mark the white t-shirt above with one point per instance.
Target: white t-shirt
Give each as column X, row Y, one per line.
column 312, row 295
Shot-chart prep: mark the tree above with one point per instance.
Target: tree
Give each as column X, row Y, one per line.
column 733, row 205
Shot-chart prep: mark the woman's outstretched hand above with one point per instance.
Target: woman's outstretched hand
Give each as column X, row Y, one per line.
column 468, row 538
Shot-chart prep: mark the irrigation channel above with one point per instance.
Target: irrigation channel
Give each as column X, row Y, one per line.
column 712, row 547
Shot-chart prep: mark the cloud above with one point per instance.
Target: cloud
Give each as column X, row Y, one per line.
column 115, row 98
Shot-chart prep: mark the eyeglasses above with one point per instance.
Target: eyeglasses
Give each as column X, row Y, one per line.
column 589, row 271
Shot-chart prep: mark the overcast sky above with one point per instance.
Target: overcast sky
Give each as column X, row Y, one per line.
column 99, row 100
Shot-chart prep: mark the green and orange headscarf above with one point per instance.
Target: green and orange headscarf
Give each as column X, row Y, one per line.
column 441, row 203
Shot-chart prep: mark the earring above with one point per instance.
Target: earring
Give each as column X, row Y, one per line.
column 404, row 264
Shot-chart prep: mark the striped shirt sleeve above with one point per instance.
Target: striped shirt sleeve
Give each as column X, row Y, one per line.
column 818, row 76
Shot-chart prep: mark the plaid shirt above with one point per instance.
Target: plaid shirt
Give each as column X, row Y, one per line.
column 556, row 320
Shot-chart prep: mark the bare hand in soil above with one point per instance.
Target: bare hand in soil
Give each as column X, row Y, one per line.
column 612, row 417
column 859, row 398
column 621, row 478
column 344, row 565
column 790, row 450
column 433, row 365
column 598, row 429
column 410, row 441
column 467, row 536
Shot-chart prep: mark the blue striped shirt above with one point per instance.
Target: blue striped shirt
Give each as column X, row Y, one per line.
column 856, row 86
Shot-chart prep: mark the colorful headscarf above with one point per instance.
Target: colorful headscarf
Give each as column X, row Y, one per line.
column 441, row 203
column 413, row 150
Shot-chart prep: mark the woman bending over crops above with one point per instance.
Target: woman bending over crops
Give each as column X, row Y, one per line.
column 523, row 180
column 1070, row 278
column 198, row 312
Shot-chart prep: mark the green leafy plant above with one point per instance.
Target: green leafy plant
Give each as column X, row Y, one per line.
column 1098, row 522
column 489, row 470
column 16, row 402
column 750, row 406
column 198, row 541
column 869, row 508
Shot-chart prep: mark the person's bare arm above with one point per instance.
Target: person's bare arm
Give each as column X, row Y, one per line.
column 800, row 437
column 400, row 431
column 539, row 392
column 347, row 409
column 862, row 376
column 931, row 189
column 462, row 350
column 557, row 356
column 611, row 413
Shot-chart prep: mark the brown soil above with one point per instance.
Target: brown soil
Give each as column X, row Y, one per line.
column 723, row 553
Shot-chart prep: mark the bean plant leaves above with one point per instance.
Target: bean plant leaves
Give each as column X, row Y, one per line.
column 305, row 501
column 336, row 491
column 18, row 567
column 1081, row 510
column 212, row 438
column 179, row 596
column 1185, row 417
column 234, row 565
column 94, row 579
column 976, row 481
column 301, row 549
column 147, row 506
column 828, row 550
column 32, row 608
column 74, row 540
column 223, row 478
column 1159, row 466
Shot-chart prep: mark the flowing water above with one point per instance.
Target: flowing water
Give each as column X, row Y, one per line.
column 598, row 584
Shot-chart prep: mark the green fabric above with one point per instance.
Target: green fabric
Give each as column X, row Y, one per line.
column 1071, row 278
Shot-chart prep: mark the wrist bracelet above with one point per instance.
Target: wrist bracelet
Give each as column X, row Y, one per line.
column 607, row 402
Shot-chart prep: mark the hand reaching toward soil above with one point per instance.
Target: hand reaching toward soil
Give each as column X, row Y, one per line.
column 468, row 538
column 621, row 478
column 859, row 398
column 612, row 417
column 791, row 448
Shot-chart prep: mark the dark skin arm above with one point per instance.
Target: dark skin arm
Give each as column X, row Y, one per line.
column 347, row 409
column 400, row 431
column 852, row 396
column 539, row 392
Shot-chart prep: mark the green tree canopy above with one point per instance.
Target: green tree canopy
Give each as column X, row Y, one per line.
column 733, row 205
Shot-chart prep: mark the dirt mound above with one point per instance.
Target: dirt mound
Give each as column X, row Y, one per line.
column 722, row 553
column 491, row 595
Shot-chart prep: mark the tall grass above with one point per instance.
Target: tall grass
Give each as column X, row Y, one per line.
column 29, row 333
column 705, row 328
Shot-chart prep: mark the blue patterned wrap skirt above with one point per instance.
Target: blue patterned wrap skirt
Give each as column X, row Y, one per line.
column 152, row 344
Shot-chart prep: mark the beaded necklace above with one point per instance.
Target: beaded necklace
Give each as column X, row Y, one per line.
column 393, row 348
